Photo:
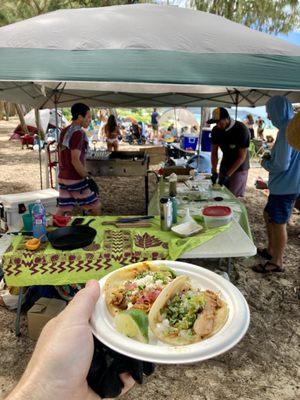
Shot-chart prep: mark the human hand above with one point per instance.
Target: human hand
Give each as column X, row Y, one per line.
column 214, row 177
column 63, row 354
column 223, row 180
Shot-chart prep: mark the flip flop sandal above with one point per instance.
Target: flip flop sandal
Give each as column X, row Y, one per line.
column 263, row 268
column 264, row 254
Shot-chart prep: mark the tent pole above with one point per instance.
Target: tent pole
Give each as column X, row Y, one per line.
column 58, row 132
column 202, row 114
column 236, row 104
column 47, row 183
column 176, row 125
column 37, row 120
column 56, row 113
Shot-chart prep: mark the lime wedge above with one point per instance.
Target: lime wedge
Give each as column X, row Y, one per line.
column 134, row 324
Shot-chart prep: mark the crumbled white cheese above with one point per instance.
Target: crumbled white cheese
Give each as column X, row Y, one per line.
column 163, row 326
column 146, row 280
column 152, row 286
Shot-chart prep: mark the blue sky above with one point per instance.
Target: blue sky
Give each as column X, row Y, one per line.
column 292, row 37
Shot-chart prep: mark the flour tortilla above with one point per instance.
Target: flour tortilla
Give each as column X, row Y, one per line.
column 119, row 277
column 180, row 283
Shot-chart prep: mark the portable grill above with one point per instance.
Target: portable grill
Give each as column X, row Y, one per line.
column 122, row 164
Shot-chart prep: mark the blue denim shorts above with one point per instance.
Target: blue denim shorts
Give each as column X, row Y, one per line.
column 280, row 206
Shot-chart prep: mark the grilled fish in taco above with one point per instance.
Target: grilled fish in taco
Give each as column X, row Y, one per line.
column 183, row 315
column 136, row 287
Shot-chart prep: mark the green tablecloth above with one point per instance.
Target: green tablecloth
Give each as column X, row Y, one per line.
column 111, row 249
column 231, row 200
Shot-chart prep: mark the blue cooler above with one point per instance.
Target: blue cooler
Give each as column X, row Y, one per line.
column 206, row 140
column 190, row 142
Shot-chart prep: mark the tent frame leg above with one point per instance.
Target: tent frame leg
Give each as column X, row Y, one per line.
column 19, row 306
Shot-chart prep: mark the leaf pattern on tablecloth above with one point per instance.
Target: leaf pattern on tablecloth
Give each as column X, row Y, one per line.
column 146, row 241
column 117, row 241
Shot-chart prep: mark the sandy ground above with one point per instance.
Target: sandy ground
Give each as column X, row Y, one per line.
column 263, row 366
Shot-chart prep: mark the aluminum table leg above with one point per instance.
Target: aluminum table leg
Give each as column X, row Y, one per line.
column 18, row 317
column 229, row 266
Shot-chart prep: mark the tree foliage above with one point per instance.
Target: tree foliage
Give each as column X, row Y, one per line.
column 272, row 16
column 17, row 10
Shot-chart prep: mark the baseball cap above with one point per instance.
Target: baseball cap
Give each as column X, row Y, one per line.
column 218, row 114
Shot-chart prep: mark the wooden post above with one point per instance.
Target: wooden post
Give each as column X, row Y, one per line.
column 6, row 108
column 1, row 110
column 21, row 118
column 12, row 110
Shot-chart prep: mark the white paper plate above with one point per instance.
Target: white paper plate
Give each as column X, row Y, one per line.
column 158, row 352
column 187, row 228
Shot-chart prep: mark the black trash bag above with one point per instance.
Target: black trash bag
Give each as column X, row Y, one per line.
column 34, row 293
column 93, row 186
column 107, row 365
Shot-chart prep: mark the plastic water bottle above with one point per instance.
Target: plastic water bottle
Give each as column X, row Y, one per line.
column 174, row 209
column 39, row 221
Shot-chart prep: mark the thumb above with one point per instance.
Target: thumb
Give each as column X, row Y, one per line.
column 80, row 309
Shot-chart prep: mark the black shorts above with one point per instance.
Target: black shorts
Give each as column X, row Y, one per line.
column 280, row 206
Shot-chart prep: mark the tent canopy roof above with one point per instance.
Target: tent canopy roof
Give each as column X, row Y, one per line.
column 143, row 55
column 140, row 27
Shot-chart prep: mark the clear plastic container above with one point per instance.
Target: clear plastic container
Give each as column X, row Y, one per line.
column 215, row 216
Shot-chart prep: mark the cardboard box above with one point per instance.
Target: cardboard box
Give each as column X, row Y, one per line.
column 157, row 154
column 177, row 170
column 41, row 312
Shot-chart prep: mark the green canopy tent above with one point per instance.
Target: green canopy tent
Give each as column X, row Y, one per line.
column 143, row 55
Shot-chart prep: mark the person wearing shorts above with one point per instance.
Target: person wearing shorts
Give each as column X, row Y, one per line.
column 112, row 133
column 73, row 178
column 154, row 124
column 279, row 207
column 284, row 186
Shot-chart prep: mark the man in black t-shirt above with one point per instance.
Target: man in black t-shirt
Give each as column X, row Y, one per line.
column 233, row 138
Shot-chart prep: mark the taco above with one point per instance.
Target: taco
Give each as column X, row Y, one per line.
column 136, row 286
column 183, row 315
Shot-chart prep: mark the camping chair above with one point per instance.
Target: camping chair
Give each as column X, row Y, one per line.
column 256, row 149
